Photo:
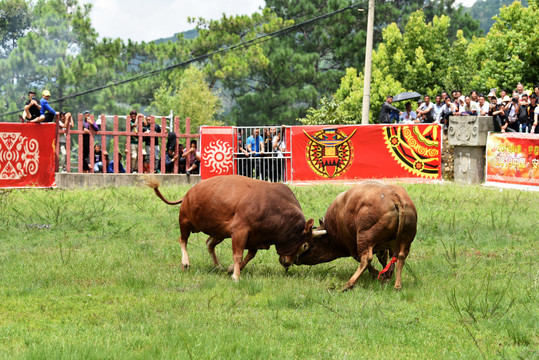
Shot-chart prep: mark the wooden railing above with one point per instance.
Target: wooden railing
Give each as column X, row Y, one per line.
column 116, row 134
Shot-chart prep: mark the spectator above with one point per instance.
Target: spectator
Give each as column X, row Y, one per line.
column 87, row 124
column 255, row 145
column 32, row 108
column 503, row 95
column 448, row 109
column 438, row 104
column 181, row 161
column 46, row 112
column 170, row 158
column 243, row 163
column 530, row 109
column 535, row 128
column 425, row 112
column 279, row 148
column 474, row 96
column 511, row 108
column 483, row 105
column 194, row 158
column 385, row 112
column 147, row 124
column 520, row 91
column 134, row 139
column 110, row 168
column 408, row 116
column 470, row 107
column 65, row 121
column 536, row 91
column 497, row 111
column 98, row 158
column 522, row 114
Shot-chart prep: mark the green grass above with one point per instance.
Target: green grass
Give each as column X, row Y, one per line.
column 96, row 274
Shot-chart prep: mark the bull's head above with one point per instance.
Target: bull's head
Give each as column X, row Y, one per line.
column 307, row 235
column 316, row 247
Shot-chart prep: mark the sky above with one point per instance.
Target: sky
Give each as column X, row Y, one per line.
column 147, row 20
column 143, row 20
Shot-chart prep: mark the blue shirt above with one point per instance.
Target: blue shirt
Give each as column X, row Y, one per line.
column 255, row 144
column 110, row 168
column 45, row 107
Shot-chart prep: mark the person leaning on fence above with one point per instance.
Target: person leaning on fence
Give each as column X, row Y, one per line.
column 425, row 112
column 87, row 125
column 32, row 108
column 134, row 140
column 65, row 121
column 146, row 128
column 255, row 145
column 385, row 111
column 194, row 158
column 170, row 157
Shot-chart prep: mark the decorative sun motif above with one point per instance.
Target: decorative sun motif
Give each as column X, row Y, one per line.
column 218, row 157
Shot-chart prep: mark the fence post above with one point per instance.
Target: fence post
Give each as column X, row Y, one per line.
column 103, row 142
column 140, row 147
column 57, row 145
column 176, row 149
column 127, row 147
column 91, row 141
column 68, row 148
column 81, row 142
column 163, row 144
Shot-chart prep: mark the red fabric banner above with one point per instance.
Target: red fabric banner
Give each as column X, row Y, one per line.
column 366, row 151
column 27, row 155
column 513, row 158
column 217, row 146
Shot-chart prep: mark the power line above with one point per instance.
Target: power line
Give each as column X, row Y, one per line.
column 242, row 45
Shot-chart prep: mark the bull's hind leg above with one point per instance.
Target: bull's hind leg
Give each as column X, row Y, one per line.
column 211, row 243
column 185, row 230
column 364, row 262
column 403, row 253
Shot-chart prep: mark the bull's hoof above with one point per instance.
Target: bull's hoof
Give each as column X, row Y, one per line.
column 220, row 267
column 398, row 288
column 384, row 278
column 230, row 269
column 347, row 287
column 185, row 267
column 235, row 278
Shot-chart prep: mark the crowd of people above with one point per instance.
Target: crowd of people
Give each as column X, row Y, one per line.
column 40, row 111
column 261, row 156
column 515, row 113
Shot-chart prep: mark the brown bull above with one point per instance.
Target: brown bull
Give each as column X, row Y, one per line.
column 370, row 218
column 254, row 213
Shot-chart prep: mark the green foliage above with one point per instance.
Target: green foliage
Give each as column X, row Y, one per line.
column 486, row 10
column 189, row 96
column 95, row 273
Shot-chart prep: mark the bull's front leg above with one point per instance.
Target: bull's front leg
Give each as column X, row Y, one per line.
column 250, row 255
column 238, row 245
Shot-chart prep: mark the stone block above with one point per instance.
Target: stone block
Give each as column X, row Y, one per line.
column 469, row 164
column 469, row 130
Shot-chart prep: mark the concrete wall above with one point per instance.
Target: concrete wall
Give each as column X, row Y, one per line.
column 77, row 181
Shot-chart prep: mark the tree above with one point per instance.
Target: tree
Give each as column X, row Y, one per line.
column 189, row 96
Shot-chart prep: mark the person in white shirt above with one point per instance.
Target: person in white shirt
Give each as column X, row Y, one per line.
column 425, row 112
column 484, row 107
column 438, row 104
column 408, row 116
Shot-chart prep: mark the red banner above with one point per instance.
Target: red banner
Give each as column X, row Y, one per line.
column 216, row 143
column 27, row 155
column 513, row 158
column 366, row 151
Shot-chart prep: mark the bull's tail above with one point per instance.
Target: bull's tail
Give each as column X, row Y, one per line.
column 401, row 208
column 152, row 182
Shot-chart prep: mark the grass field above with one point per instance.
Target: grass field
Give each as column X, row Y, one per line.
column 95, row 274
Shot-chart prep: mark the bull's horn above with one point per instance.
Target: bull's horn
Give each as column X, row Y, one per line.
column 318, row 233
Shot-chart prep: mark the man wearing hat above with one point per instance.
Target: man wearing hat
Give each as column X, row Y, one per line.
column 47, row 113
column 31, row 108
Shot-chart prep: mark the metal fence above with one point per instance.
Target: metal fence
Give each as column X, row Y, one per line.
column 265, row 156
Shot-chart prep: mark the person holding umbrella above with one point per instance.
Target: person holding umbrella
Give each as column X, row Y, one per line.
column 386, row 110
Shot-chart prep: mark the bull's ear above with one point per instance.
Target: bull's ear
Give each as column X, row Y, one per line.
column 308, row 226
